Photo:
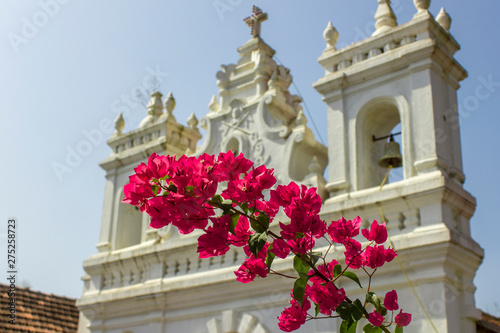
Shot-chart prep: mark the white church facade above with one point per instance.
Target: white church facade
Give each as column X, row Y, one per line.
column 404, row 76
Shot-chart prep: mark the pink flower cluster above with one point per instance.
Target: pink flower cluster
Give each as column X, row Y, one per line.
column 391, row 304
column 343, row 231
column 183, row 192
column 323, row 291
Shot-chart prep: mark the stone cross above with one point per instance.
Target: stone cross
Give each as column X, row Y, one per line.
column 255, row 20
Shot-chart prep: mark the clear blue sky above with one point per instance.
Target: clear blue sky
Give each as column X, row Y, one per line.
column 62, row 75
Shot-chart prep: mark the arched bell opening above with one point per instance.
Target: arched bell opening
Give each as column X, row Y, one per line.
column 128, row 225
column 375, row 126
column 397, row 174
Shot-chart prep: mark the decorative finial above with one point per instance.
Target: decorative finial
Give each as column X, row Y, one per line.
column 384, row 17
column 301, row 119
column 155, row 108
column 169, row 103
column 254, row 21
column 214, row 105
column 331, row 35
column 444, row 19
column 314, row 166
column 422, row 6
column 192, row 121
column 119, row 124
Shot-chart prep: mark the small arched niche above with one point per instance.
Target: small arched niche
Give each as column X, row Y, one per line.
column 233, row 145
column 128, row 227
column 378, row 119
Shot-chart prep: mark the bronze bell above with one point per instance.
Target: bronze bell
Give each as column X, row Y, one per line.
column 392, row 155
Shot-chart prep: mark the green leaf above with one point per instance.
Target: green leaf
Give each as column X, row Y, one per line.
column 155, row 189
column 299, row 288
column 270, row 257
column 398, row 330
column 256, row 242
column 217, row 198
column 369, row 328
column 337, row 270
column 344, row 311
column 256, row 225
column 383, row 311
column 234, row 222
column 244, row 206
column 315, row 256
column 264, row 220
column 352, row 328
column 343, row 327
column 372, row 298
column 300, row 266
column 226, row 207
column 189, row 188
column 316, row 309
column 352, row 276
column 348, row 326
column 357, row 310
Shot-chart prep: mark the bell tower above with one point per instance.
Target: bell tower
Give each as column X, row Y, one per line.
column 124, row 225
column 404, row 78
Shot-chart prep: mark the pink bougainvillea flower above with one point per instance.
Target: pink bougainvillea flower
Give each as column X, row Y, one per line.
column 231, row 167
column 244, row 274
column 184, row 213
column 262, row 176
column 303, row 224
column 242, row 190
column 326, row 295
column 137, row 195
column 268, row 207
column 215, row 240
column 303, row 202
column 207, row 166
column 376, row 319
column 142, row 174
column 253, row 266
column 309, row 200
column 251, row 186
column 204, row 188
column 302, row 245
column 159, row 166
column 280, row 248
column 326, row 270
column 377, row 256
column 241, row 232
column 182, row 174
column 294, row 316
column 390, row 254
column 353, row 255
column 284, row 194
column 402, row 319
column 249, row 270
column 342, row 230
column 391, row 300
column 377, row 233
column 187, row 224
column 374, row 257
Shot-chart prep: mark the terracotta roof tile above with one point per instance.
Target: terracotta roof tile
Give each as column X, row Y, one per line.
column 37, row 312
column 488, row 324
